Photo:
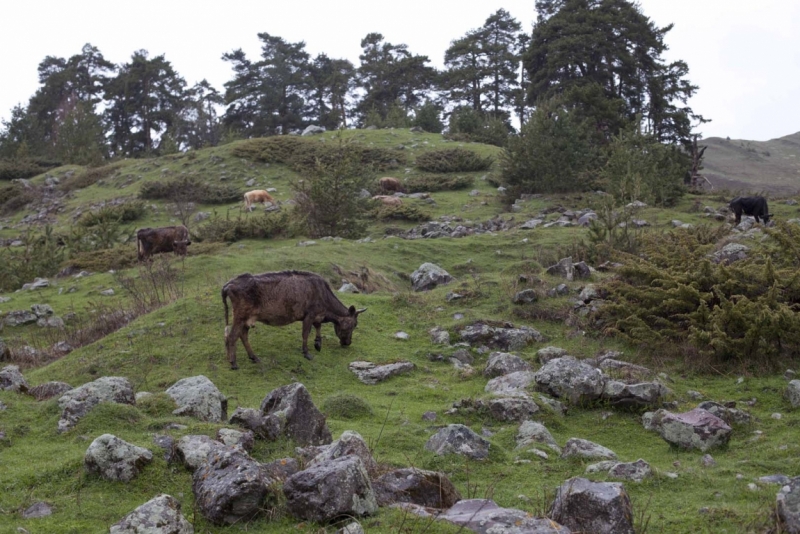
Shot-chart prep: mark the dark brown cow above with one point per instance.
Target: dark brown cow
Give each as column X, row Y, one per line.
column 282, row 298
column 151, row 241
column 391, row 185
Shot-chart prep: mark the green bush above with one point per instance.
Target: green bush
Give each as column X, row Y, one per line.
column 190, row 189
column 453, row 160
column 15, row 196
column 88, row 177
column 436, row 182
column 403, row 212
column 14, row 169
column 102, row 260
column 126, row 212
column 40, row 256
column 346, row 406
column 275, row 149
column 229, row 230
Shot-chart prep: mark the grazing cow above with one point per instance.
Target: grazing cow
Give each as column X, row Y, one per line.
column 390, row 185
column 754, row 206
column 151, row 241
column 388, row 200
column 256, row 196
column 281, row 298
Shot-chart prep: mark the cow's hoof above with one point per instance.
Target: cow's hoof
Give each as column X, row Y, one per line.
column 234, row 367
column 318, row 345
column 255, row 359
column 308, row 356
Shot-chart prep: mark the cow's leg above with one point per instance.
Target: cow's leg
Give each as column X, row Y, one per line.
column 230, row 341
column 306, row 330
column 318, row 339
column 247, row 347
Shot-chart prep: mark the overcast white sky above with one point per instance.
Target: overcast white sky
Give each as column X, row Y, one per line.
column 744, row 55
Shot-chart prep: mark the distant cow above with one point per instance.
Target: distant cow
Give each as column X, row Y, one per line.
column 754, row 206
column 388, row 200
column 390, row 185
column 281, row 298
column 151, row 241
column 256, row 196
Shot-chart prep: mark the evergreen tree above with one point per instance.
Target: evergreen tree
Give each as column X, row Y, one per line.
column 427, row 117
column 145, row 100
column 200, row 126
column 465, row 69
column 330, row 81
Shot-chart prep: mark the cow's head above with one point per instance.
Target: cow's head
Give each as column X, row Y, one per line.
column 345, row 326
column 180, row 247
column 766, row 217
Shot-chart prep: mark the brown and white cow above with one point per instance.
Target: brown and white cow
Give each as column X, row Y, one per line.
column 255, row 196
column 387, row 200
column 281, row 298
column 151, row 241
column 390, row 185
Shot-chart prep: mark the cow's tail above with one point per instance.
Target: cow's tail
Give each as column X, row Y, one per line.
column 225, row 302
column 139, row 247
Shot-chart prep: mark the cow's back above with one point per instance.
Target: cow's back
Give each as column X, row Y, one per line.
column 278, row 298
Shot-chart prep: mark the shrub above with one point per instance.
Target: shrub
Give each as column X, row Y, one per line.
column 436, row 182
column 346, row 406
column 102, row 260
column 453, row 160
column 12, row 169
column 229, row 230
column 40, row 256
column 275, row 149
column 404, row 212
column 15, row 196
column 125, row 212
column 190, row 189
column 466, row 124
column 88, row 177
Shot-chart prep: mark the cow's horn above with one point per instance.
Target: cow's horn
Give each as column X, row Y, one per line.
column 362, row 310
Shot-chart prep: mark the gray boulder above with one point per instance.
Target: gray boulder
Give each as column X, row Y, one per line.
column 563, row 269
column 730, row 253
column 697, row 429
column 282, row 469
column 486, row 517
column 5, row 352
column 312, row 129
column 587, row 218
column 349, row 443
column 635, row 471
column 231, row 487
column 533, row 433
column 19, row 318
column 730, row 415
column 38, row 283
column 160, row 515
column 581, row 448
column 581, row 271
column 550, row 353
column 424, row 488
column 428, row 276
column 329, row 490
column 531, row 224
column 458, row 439
column 42, row 310
column 596, row 507
column 231, row 438
column 512, row 408
column 510, row 385
column 526, row 296
column 439, row 336
column 371, row 373
column 502, row 363
column 48, row 390
column 570, row 379
column 12, row 380
column 198, row 397
column 788, row 504
column 347, row 287
column 502, row 338
column 299, row 418
column 633, row 396
column 193, row 450
column 263, row 426
column 115, row 459
column 76, row 403
column 793, row 393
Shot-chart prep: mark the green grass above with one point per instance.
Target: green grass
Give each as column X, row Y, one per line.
column 185, row 338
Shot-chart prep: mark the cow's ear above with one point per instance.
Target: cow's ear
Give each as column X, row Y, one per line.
column 352, row 311
column 188, row 243
column 362, row 310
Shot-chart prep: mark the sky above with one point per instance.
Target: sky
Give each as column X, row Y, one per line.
column 744, row 55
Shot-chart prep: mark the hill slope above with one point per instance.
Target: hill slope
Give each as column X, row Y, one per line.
column 753, row 166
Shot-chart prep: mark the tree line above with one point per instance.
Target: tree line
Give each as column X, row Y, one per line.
column 588, row 75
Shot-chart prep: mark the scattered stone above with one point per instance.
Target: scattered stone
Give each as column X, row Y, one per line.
column 264, row 427
column 511, row 408
column 232, row 438
column 697, row 429
column 502, row 363
column 564, row 269
column 730, row 253
column 581, row 448
column 596, row 507
column 428, row 276
column 37, row 510
column 312, row 129
column 526, row 296
column 424, row 488
column 439, row 336
column 49, row 390
column 453, row 296
column 160, row 515
column 76, row 403
column 570, row 379
column 329, row 490
column 486, row 517
column 429, row 416
column 198, row 397
column 282, row 469
column 349, row 443
column 298, row 417
column 633, row 396
column 510, row 385
column 502, row 338
column 231, row 487
column 793, row 393
column 115, row 459
column 694, row 395
column 401, row 335
column 107, row 292
column 306, row 243
column 347, row 287
column 370, row 373
column 788, row 505
column 38, row 283
column 775, row 479
column 19, row 318
column 550, row 353
column 708, row 461
column 12, row 380
column 193, row 450
column 531, row 432
column 730, row 415
column 458, row 439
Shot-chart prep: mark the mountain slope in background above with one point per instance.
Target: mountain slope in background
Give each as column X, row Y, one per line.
column 753, row 166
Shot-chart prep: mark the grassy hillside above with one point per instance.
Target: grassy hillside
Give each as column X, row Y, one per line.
column 753, row 166
column 185, row 338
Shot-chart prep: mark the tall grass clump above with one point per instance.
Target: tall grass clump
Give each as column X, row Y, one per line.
column 453, row 160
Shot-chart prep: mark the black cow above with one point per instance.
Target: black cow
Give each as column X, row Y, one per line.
column 753, row 206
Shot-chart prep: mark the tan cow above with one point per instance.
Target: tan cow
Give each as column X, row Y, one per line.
column 256, row 196
column 390, row 185
column 387, row 200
